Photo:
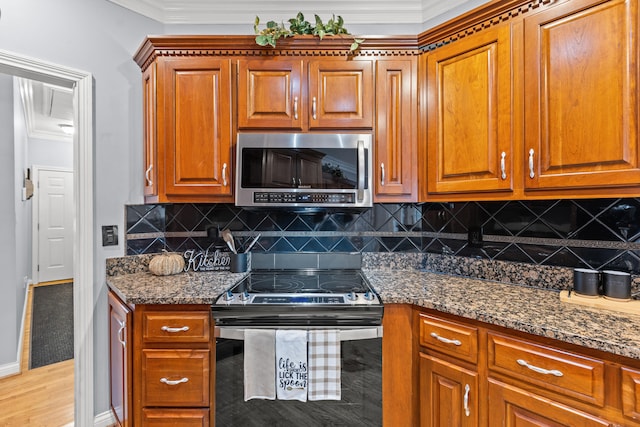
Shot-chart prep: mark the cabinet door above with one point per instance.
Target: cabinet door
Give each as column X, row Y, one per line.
column 120, row 354
column 269, row 94
column 631, row 393
column 396, row 131
column 340, row 94
column 581, row 109
column 448, row 394
column 469, row 127
column 197, row 126
column 511, row 406
column 150, row 134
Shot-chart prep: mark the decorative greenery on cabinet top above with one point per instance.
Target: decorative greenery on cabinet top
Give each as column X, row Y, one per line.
column 299, row 26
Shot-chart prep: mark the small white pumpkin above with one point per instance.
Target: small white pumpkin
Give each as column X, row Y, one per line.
column 166, row 264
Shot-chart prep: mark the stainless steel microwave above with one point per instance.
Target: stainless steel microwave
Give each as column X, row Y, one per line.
column 304, row 170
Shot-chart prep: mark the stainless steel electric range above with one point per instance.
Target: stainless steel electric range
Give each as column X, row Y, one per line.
column 302, row 299
column 309, row 297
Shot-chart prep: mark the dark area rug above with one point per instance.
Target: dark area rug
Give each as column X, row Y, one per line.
column 51, row 325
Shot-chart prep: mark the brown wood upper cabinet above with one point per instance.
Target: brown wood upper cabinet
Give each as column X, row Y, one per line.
column 187, row 130
column 396, row 140
column 470, row 146
column 581, row 85
column 305, row 94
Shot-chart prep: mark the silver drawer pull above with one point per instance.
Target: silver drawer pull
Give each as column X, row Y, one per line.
column 295, row 108
column 543, row 371
column 467, row 389
column 503, row 166
column 224, row 174
column 445, row 340
column 174, row 330
column 147, row 175
column 173, row 382
column 313, row 108
column 382, row 178
column 532, row 173
column 123, row 325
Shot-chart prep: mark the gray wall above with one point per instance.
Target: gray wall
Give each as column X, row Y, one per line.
column 98, row 37
column 8, row 310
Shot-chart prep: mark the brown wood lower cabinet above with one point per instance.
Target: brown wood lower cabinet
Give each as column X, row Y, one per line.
column 631, row 393
column 448, row 394
column 476, row 374
column 511, row 406
column 175, row 417
column 162, row 359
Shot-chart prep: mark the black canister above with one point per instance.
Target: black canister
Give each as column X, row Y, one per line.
column 586, row 282
column 616, row 284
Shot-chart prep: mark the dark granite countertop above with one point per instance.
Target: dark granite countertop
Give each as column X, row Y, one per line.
column 537, row 311
column 183, row 288
column 534, row 310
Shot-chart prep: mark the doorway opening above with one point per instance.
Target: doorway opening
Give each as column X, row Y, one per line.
column 83, row 248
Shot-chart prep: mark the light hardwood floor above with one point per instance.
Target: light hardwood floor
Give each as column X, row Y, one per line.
column 41, row 397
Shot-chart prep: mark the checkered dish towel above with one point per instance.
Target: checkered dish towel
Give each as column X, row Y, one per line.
column 324, row 365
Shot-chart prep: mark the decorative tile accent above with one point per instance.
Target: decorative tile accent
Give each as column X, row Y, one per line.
column 592, row 233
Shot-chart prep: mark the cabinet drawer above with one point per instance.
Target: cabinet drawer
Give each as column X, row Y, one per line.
column 452, row 338
column 631, row 393
column 555, row 370
column 175, row 417
column 184, row 326
column 175, row 378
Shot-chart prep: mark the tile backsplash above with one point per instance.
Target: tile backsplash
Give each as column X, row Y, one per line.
column 591, row 233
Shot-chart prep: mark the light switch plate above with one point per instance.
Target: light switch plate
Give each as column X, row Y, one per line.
column 109, row 235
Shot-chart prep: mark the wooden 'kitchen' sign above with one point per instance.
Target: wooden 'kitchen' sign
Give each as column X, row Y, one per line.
column 206, row 261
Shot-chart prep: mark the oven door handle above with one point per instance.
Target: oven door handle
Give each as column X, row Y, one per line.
column 346, row 334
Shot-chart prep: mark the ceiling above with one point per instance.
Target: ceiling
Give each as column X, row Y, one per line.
column 46, row 108
column 244, row 11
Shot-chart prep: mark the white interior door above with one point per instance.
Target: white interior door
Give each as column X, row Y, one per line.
column 55, row 219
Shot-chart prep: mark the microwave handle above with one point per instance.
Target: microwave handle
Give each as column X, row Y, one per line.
column 361, row 169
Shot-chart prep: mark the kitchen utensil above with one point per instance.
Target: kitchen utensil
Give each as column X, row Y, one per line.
column 228, row 237
column 253, row 242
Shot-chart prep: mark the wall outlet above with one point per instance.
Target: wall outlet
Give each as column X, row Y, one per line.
column 474, row 238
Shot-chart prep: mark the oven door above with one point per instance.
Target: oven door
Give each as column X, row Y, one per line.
column 361, row 403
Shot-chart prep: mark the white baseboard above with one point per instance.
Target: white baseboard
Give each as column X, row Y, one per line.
column 14, row 368
column 9, row 369
column 104, row 419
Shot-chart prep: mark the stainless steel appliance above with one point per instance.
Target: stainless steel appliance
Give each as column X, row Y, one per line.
column 302, row 299
column 304, row 170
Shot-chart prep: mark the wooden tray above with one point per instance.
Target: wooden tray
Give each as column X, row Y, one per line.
column 600, row 302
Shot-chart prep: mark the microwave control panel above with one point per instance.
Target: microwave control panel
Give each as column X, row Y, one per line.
column 287, row 197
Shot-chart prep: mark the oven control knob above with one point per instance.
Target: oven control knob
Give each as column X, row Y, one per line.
column 228, row 296
column 351, row 296
column 368, row 296
column 244, row 296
